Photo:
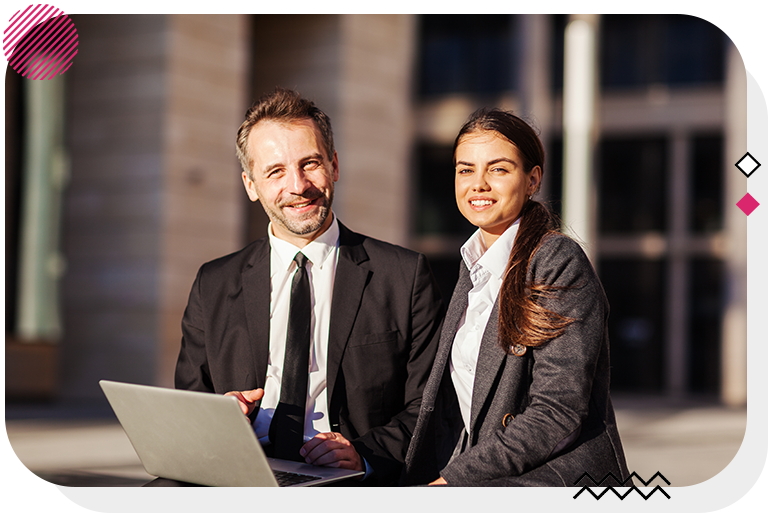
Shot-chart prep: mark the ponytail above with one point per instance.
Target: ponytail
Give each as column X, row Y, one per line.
column 522, row 320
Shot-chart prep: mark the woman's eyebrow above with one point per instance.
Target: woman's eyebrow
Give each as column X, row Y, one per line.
column 500, row 159
column 491, row 162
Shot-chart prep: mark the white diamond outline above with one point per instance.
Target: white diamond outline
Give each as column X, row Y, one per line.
column 754, row 161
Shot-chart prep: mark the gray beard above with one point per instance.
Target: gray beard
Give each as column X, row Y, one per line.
column 301, row 227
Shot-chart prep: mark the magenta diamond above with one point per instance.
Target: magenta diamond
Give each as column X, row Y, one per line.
column 747, row 204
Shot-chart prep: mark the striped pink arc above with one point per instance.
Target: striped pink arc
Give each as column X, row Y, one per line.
column 40, row 42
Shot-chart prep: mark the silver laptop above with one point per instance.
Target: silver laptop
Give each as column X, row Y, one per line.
column 203, row 438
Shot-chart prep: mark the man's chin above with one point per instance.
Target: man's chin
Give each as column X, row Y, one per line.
column 304, row 227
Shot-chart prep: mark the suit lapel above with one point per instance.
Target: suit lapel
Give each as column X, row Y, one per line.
column 489, row 360
column 456, row 309
column 348, row 288
column 256, row 292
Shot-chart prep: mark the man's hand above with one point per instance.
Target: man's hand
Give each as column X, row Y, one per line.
column 332, row 450
column 247, row 399
column 438, row 481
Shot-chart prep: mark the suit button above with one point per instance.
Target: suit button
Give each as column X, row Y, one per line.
column 507, row 419
column 519, row 349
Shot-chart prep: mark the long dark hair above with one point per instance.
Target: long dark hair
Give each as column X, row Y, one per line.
column 521, row 319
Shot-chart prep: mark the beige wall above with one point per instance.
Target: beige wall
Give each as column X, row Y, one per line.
column 203, row 196
column 152, row 101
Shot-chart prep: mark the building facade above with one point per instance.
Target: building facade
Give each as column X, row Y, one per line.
column 145, row 186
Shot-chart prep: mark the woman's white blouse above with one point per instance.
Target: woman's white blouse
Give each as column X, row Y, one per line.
column 486, row 270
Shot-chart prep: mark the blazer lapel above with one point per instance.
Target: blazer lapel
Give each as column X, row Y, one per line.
column 456, row 309
column 348, row 289
column 489, row 360
column 256, row 292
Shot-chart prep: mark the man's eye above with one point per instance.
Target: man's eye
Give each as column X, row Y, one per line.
column 311, row 165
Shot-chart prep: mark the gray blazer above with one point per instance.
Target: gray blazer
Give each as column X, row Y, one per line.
column 540, row 419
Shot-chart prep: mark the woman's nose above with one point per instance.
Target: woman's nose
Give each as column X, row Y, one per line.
column 479, row 183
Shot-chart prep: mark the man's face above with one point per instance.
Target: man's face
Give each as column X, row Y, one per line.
column 292, row 177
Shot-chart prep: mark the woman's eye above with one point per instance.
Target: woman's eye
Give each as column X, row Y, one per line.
column 499, row 170
column 464, row 171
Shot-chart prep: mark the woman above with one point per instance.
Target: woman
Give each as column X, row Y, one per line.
column 518, row 394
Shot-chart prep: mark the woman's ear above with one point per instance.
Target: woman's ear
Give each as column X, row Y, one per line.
column 535, row 180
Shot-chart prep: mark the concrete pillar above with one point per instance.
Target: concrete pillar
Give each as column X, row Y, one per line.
column 375, row 124
column 734, row 339
column 203, row 195
column 535, row 81
column 154, row 105
column 579, row 129
column 44, row 176
column 676, row 285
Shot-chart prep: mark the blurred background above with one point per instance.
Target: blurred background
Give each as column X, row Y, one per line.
column 121, row 180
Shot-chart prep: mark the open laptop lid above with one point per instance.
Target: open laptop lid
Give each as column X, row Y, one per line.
column 200, row 438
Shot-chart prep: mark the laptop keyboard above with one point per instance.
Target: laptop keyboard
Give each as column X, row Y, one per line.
column 290, row 478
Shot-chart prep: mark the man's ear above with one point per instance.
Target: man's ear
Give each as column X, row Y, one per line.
column 335, row 165
column 250, row 187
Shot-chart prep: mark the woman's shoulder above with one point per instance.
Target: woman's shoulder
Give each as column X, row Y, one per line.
column 559, row 254
column 558, row 244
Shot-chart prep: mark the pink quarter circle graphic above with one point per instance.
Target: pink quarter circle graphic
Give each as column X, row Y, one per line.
column 40, row 42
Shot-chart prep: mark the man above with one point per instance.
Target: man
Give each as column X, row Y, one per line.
column 371, row 319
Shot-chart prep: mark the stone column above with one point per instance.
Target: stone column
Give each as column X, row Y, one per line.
column 579, row 129
column 154, row 102
column 535, row 81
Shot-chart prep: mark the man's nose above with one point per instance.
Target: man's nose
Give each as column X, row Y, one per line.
column 298, row 181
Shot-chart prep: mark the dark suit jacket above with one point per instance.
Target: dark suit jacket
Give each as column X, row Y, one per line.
column 561, row 421
column 385, row 324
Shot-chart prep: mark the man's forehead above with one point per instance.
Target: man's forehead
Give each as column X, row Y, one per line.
column 269, row 125
column 266, row 134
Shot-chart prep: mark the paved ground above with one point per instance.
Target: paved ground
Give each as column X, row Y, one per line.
column 687, row 441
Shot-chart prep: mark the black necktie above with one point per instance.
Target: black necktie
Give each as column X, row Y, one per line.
column 286, row 432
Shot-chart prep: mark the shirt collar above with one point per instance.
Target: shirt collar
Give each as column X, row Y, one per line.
column 494, row 259
column 317, row 251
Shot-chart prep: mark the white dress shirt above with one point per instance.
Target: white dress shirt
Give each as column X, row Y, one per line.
column 486, row 270
column 322, row 255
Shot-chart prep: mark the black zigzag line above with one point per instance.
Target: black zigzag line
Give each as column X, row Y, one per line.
column 646, row 483
column 609, row 474
column 620, row 496
column 622, row 483
column 595, row 495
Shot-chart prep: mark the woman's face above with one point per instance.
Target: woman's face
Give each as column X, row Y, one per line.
column 491, row 185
